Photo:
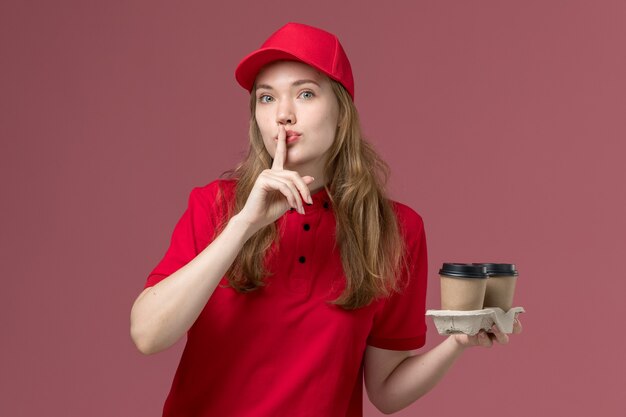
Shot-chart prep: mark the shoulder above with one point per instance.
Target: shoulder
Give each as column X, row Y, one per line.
column 409, row 219
column 210, row 191
column 214, row 196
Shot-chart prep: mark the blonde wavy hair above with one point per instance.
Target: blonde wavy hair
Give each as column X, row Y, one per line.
column 368, row 234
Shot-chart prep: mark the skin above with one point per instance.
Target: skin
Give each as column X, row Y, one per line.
column 310, row 108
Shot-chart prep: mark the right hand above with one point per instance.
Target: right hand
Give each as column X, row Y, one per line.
column 276, row 190
column 484, row 339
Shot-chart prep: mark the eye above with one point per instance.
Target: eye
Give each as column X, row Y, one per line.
column 262, row 97
column 309, row 96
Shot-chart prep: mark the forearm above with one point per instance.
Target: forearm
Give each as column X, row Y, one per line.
column 418, row 374
column 166, row 311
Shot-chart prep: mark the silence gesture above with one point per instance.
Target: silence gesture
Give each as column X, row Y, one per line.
column 276, row 190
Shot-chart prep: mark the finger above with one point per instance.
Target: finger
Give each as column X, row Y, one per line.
column 302, row 186
column 461, row 339
column 472, row 340
column 288, row 188
column 517, row 326
column 483, row 339
column 280, row 154
column 271, row 183
column 500, row 336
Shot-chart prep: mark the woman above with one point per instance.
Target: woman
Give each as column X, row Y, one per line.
column 314, row 296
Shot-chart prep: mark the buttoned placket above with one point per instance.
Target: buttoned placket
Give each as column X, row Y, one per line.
column 307, row 225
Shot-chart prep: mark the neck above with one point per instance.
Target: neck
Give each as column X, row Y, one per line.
column 312, row 171
column 316, row 185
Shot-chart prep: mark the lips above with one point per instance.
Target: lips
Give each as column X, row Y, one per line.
column 290, row 135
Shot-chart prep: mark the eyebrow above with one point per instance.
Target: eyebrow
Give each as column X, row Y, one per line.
column 294, row 84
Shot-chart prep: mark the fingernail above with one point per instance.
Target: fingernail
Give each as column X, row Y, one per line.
column 310, row 200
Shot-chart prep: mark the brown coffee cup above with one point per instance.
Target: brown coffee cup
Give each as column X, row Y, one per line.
column 500, row 285
column 463, row 286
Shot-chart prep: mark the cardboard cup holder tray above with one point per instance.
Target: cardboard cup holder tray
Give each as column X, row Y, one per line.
column 470, row 322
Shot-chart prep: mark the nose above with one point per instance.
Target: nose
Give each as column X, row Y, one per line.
column 285, row 113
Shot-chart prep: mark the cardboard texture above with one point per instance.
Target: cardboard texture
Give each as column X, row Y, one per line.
column 470, row 322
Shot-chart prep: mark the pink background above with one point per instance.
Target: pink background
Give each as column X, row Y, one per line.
column 503, row 123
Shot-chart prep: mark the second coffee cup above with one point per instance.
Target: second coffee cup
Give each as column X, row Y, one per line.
column 500, row 285
column 463, row 286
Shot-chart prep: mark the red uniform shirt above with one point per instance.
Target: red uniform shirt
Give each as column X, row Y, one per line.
column 282, row 350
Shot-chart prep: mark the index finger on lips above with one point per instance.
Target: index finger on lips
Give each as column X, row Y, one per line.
column 281, row 149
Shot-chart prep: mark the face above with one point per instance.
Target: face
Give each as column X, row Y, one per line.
column 301, row 98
